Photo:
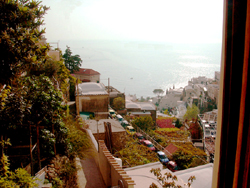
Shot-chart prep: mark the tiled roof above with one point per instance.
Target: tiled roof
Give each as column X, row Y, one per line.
column 171, row 148
column 87, row 71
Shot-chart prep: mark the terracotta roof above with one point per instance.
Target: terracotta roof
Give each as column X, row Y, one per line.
column 171, row 148
column 87, row 71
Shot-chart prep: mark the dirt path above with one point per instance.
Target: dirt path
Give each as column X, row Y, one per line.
column 92, row 174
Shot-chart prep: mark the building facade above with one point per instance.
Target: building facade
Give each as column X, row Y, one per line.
column 91, row 97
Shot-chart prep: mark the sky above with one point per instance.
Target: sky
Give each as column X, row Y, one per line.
column 129, row 20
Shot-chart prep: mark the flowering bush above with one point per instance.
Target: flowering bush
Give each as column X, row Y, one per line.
column 165, row 122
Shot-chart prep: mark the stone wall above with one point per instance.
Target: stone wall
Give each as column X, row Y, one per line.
column 112, row 173
column 117, row 138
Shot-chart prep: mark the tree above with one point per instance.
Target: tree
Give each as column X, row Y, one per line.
column 35, row 102
column 182, row 159
column 192, row 112
column 166, row 112
column 56, row 71
column 145, row 123
column 119, row 103
column 195, row 130
column 72, row 62
column 163, row 180
column 158, row 92
column 178, row 124
column 19, row 37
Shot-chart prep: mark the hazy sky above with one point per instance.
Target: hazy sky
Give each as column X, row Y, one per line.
column 150, row 20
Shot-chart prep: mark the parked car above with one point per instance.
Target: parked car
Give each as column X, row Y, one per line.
column 139, row 136
column 130, row 130
column 112, row 113
column 171, row 165
column 119, row 118
column 162, row 157
column 149, row 145
column 124, row 123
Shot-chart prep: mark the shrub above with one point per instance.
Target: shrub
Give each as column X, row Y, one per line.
column 134, row 154
column 77, row 138
column 119, row 103
column 165, row 122
column 145, row 123
column 20, row 178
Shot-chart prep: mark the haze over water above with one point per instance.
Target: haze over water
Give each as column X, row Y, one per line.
column 140, row 67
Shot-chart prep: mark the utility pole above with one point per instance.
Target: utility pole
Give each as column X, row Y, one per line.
column 108, row 92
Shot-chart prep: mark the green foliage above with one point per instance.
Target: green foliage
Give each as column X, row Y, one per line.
column 4, row 165
column 166, row 112
column 20, row 178
column 145, row 123
column 72, row 87
column 158, row 91
column 188, row 157
column 134, row 154
column 19, row 37
column 68, row 173
column 183, row 159
column 119, row 103
column 78, row 141
column 178, row 124
column 23, row 178
column 192, row 112
column 35, row 101
column 168, row 180
column 169, row 135
column 72, row 62
column 57, row 183
column 49, row 140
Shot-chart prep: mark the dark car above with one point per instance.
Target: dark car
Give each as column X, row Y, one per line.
column 124, row 123
column 171, row 165
column 162, row 157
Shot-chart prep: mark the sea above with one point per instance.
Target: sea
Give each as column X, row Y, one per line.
column 139, row 67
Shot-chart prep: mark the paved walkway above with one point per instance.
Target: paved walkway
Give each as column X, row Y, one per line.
column 92, row 174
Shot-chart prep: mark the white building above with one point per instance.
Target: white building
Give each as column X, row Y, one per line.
column 181, row 109
column 213, row 91
column 200, row 80
column 217, row 76
column 171, row 98
column 92, row 97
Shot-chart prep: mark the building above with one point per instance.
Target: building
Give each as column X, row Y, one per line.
column 92, row 97
column 200, row 80
column 113, row 93
column 170, row 99
column 141, row 109
column 217, row 76
column 213, row 91
column 87, row 75
column 53, row 53
column 98, row 130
